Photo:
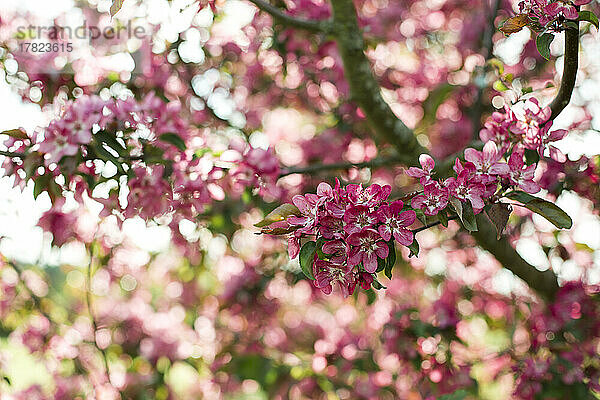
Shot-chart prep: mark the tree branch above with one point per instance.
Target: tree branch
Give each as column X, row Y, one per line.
column 488, row 47
column 365, row 90
column 571, row 64
column 544, row 283
column 279, row 15
column 374, row 163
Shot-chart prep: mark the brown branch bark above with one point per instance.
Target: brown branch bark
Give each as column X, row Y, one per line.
column 286, row 19
column 365, row 90
column 571, row 64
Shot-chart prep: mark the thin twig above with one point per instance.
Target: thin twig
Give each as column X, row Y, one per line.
column 88, row 296
column 436, row 223
column 12, row 154
column 374, row 163
column 312, row 26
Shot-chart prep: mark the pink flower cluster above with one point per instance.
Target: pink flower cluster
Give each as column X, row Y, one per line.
column 549, row 13
column 354, row 223
column 529, row 129
column 477, row 179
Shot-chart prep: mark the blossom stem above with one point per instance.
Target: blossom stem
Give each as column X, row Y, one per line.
column 279, row 15
column 436, row 223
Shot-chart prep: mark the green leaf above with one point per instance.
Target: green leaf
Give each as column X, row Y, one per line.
column 543, row 44
column 307, row 257
column 320, row 253
column 546, row 209
column 111, row 141
column 498, row 213
column 173, row 139
column 380, row 264
column 457, row 205
column 414, row 248
column 465, row 213
column 15, row 133
column 468, row 217
column 588, row 16
column 443, row 218
column 115, row 7
column 531, row 156
column 40, row 184
column 499, row 86
column 376, row 284
column 421, row 216
column 527, row 90
column 391, row 259
column 106, row 155
column 279, row 214
column 435, row 99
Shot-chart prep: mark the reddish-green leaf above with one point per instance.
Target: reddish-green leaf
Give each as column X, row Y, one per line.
column 279, row 214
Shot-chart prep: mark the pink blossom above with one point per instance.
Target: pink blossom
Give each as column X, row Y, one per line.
column 424, row 173
column 366, row 245
column 331, row 227
column 328, row 274
column 565, row 7
column 464, row 187
column 358, row 218
column 487, row 162
column 309, row 208
column 395, row 223
column 336, row 250
column 433, row 199
column 520, row 175
column 369, row 197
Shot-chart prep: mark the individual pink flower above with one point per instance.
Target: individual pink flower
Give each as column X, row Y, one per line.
column 565, row 7
column 433, row 199
column 487, row 162
column 309, row 207
column 395, row 223
column 424, row 173
column 520, row 175
column 371, row 196
column 366, row 245
column 60, row 224
column 464, row 188
column 331, row 227
column 336, row 250
column 332, row 198
column 328, row 274
column 358, row 218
